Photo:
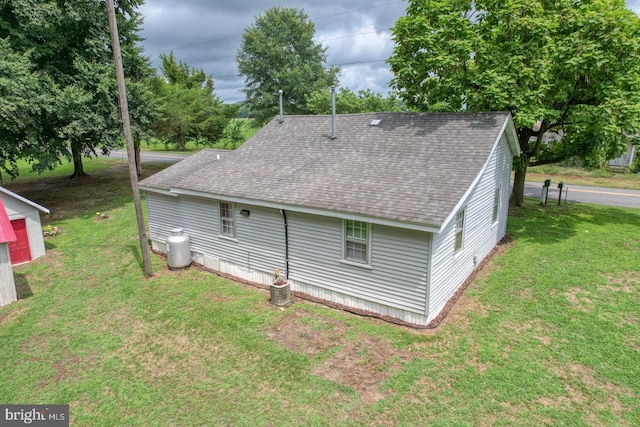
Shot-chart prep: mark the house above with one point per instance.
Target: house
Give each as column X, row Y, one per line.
column 385, row 213
column 25, row 220
column 8, row 292
column 625, row 159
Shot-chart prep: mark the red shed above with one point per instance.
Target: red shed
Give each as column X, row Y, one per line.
column 8, row 292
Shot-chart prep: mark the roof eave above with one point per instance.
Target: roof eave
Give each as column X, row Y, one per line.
column 24, row 200
column 164, row 191
column 509, row 130
column 303, row 209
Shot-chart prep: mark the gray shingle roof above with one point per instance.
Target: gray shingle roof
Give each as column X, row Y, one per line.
column 412, row 167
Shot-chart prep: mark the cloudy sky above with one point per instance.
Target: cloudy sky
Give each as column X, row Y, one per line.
column 206, row 34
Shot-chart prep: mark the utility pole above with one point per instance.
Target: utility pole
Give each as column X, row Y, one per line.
column 124, row 109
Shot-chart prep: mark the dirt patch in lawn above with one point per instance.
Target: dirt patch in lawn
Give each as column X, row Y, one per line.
column 215, row 298
column 13, row 314
column 361, row 363
column 627, row 282
column 68, row 367
column 579, row 299
column 152, row 352
column 584, row 391
column 526, row 293
column 465, row 309
column 309, row 334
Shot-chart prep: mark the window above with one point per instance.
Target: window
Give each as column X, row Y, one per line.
column 227, row 219
column 496, row 204
column 356, row 242
column 459, row 230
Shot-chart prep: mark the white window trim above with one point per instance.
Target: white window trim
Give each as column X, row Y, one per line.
column 354, row 262
column 223, row 237
column 232, row 218
column 459, row 250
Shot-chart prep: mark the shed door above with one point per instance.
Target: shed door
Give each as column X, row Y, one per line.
column 19, row 250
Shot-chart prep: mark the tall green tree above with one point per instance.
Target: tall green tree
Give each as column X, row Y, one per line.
column 565, row 66
column 21, row 104
column 278, row 53
column 67, row 43
column 143, row 111
column 348, row 101
column 187, row 106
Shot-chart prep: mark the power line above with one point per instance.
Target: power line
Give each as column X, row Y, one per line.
column 197, row 44
column 358, row 62
column 219, row 58
column 331, row 65
column 357, row 10
column 348, row 35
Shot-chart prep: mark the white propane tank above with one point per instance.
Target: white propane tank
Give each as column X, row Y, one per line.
column 178, row 250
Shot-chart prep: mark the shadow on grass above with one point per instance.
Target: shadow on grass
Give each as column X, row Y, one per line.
column 136, row 252
column 22, row 286
column 551, row 223
column 48, row 245
column 100, row 191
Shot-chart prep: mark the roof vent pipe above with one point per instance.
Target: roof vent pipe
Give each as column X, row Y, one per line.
column 281, row 109
column 333, row 112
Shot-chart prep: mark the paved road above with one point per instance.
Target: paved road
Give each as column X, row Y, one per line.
column 594, row 195
column 148, row 156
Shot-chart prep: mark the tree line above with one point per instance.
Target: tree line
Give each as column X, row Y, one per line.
column 565, row 67
column 58, row 90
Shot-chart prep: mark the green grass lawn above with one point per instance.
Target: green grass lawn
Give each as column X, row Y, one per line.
column 549, row 333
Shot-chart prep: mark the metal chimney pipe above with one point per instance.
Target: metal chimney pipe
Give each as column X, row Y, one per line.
column 333, row 112
column 281, row 109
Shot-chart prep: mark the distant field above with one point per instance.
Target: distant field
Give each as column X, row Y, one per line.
column 548, row 334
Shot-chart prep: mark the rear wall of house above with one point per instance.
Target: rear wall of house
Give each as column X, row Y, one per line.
column 449, row 270
column 257, row 249
column 394, row 283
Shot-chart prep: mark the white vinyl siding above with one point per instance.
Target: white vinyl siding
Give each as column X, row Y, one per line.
column 448, row 272
column 260, row 237
column 356, row 241
column 395, row 277
column 227, row 219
